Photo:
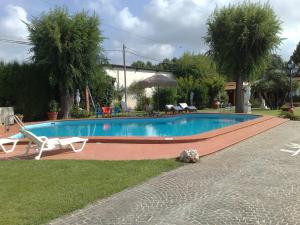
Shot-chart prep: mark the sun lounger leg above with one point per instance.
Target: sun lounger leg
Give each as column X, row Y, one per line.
column 9, row 150
column 39, row 155
column 40, row 150
column 80, row 149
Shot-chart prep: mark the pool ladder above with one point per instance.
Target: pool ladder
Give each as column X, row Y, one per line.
column 16, row 119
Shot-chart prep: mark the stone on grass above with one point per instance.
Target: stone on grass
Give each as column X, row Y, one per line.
column 189, row 156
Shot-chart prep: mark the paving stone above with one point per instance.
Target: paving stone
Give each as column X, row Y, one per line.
column 249, row 183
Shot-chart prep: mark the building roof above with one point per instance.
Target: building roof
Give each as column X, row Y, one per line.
column 230, row 86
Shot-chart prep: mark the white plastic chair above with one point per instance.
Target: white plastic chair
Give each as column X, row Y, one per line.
column 7, row 141
column 42, row 143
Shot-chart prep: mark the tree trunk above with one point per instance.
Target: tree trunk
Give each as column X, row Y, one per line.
column 66, row 101
column 239, row 97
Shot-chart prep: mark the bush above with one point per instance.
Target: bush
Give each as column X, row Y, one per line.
column 102, row 88
column 139, row 94
column 205, row 90
column 201, row 98
column 77, row 112
column 289, row 115
column 285, row 107
column 142, row 101
column 224, row 97
column 166, row 96
column 215, row 86
column 255, row 102
column 25, row 87
column 53, row 106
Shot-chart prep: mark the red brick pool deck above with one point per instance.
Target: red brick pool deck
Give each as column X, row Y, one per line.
column 132, row 148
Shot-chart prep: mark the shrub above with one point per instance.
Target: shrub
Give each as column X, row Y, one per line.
column 285, row 107
column 142, row 101
column 201, row 97
column 25, row 87
column 289, row 115
column 255, row 102
column 215, row 85
column 166, row 96
column 205, row 90
column 53, row 106
column 77, row 112
column 224, row 97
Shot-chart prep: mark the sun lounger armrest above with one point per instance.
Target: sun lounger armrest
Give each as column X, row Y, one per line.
column 44, row 138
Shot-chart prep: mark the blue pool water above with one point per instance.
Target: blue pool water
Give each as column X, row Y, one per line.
column 181, row 125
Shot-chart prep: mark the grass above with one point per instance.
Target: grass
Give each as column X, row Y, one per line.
column 275, row 112
column 267, row 112
column 35, row 192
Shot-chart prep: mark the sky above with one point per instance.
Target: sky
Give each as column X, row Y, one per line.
column 150, row 29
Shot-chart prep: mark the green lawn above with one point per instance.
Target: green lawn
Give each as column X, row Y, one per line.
column 34, row 192
column 268, row 112
column 275, row 112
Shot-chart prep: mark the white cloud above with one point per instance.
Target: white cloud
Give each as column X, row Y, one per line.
column 161, row 28
column 129, row 22
column 13, row 27
column 103, row 7
column 149, row 52
column 135, row 32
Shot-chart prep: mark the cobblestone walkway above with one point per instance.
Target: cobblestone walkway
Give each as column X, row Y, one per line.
column 252, row 182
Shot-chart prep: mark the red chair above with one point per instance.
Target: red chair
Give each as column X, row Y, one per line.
column 106, row 111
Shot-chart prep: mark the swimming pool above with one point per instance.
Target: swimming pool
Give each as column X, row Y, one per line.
column 173, row 126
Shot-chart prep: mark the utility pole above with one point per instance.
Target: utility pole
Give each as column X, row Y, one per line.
column 124, row 64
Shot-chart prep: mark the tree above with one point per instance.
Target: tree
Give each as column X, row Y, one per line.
column 102, row 87
column 165, row 96
column 139, row 94
column 198, row 73
column 149, row 65
column 274, row 86
column 197, row 66
column 216, row 86
column 296, row 55
column 139, row 64
column 240, row 38
column 67, row 46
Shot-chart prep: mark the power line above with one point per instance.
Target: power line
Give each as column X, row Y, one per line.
column 7, row 40
column 14, row 41
column 142, row 56
column 139, row 36
column 112, row 50
column 130, row 50
column 122, row 30
column 132, row 34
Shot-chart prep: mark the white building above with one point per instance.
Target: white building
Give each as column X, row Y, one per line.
column 133, row 74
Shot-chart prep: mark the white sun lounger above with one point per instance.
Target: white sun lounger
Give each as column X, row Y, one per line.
column 173, row 109
column 42, row 144
column 7, row 141
column 185, row 106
